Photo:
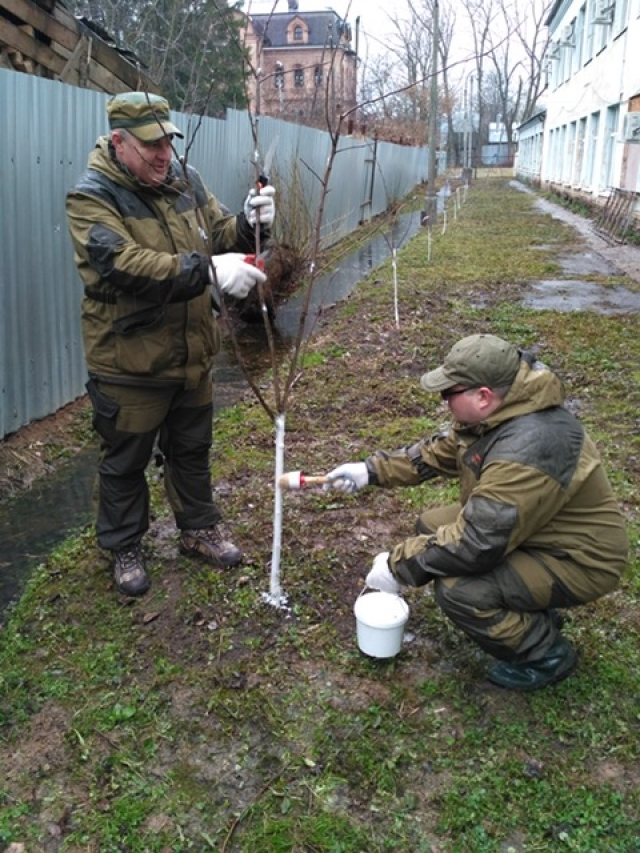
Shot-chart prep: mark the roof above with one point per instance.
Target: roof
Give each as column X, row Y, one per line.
column 553, row 12
column 322, row 27
column 538, row 116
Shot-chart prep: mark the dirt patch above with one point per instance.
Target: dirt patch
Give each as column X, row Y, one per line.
column 620, row 777
column 40, row 447
column 43, row 746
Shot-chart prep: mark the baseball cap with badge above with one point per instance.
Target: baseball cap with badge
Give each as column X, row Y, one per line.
column 144, row 115
column 474, row 362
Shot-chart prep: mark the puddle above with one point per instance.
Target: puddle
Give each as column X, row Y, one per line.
column 576, row 295
column 587, row 263
column 338, row 284
column 32, row 524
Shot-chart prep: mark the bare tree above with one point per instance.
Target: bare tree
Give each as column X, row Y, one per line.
column 422, row 13
column 509, row 45
column 396, row 85
column 399, row 81
column 505, row 74
column 533, row 37
column 410, row 43
column 481, row 17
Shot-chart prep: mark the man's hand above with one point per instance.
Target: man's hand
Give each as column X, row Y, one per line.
column 380, row 576
column 235, row 276
column 348, row 478
column 261, row 205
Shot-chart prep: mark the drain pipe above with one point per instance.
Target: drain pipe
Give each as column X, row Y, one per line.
column 432, row 199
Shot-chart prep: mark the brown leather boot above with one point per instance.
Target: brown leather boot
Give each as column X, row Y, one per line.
column 208, row 544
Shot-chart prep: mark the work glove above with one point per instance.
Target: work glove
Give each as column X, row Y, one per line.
column 348, row 478
column 261, row 204
column 380, row 576
column 235, row 276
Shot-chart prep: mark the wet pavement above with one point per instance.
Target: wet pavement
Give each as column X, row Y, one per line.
column 599, row 258
column 576, row 295
column 624, row 260
column 588, row 264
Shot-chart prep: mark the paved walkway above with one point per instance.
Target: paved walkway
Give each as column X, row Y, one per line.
column 625, row 258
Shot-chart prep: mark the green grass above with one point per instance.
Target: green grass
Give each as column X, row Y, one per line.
column 200, row 718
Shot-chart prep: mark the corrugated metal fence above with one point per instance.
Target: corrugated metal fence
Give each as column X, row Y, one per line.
column 48, row 130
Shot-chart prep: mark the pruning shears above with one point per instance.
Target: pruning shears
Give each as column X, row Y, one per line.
column 255, row 261
column 263, row 177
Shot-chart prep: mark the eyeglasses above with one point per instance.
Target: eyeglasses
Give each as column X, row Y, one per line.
column 451, row 392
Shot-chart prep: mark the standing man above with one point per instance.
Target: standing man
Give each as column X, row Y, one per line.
column 153, row 246
column 538, row 527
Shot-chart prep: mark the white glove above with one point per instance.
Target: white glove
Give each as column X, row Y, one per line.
column 262, row 202
column 348, row 478
column 380, row 576
column 235, row 276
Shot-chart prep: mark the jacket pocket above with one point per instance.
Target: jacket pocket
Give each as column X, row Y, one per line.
column 102, row 405
column 143, row 342
column 141, row 321
column 105, row 412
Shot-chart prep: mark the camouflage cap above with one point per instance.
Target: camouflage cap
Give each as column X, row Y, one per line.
column 144, row 115
column 474, row 362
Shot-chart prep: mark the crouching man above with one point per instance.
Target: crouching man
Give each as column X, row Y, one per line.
column 538, row 527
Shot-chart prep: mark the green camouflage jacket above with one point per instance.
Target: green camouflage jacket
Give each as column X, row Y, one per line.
column 142, row 254
column 530, row 478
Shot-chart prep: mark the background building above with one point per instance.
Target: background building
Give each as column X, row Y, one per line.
column 308, row 65
column 530, row 141
column 591, row 141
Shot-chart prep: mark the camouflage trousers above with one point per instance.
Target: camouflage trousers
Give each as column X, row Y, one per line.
column 509, row 611
column 129, row 421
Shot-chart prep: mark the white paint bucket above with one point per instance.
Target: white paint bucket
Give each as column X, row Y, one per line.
column 380, row 621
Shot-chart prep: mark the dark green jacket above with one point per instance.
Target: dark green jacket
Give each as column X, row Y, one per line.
column 530, row 478
column 142, row 253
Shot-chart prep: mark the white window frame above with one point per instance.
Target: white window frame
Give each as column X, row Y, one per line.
column 611, row 128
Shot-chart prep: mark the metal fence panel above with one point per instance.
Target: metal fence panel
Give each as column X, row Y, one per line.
column 49, row 130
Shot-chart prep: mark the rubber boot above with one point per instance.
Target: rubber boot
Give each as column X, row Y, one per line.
column 558, row 663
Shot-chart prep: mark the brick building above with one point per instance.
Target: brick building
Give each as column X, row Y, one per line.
column 307, row 63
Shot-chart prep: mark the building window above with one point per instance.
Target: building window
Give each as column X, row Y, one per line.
column 580, row 24
column 578, row 164
column 297, row 33
column 317, row 75
column 592, row 144
column 607, row 178
column 621, row 15
column 298, row 77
